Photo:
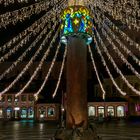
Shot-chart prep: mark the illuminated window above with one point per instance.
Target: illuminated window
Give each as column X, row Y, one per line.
column 110, row 111
column 16, row 99
column 101, row 111
column 23, row 113
column 30, row 112
column 9, row 98
column 51, row 112
column 91, row 111
column 120, row 111
column 9, row 112
column 42, row 112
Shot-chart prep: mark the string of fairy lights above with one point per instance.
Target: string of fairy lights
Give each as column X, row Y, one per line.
column 46, row 19
column 9, row 2
column 115, row 48
column 41, row 63
column 107, row 68
column 96, row 71
column 112, row 25
column 25, row 13
column 44, row 31
column 60, row 74
column 21, row 35
column 26, row 67
column 20, row 59
column 101, row 9
column 124, row 10
column 48, row 74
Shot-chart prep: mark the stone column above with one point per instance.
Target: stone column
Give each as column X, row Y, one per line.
column 76, row 109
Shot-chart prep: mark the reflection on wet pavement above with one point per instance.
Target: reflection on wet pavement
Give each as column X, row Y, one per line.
column 28, row 130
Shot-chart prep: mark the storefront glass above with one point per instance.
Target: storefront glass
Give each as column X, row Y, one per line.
column 91, row 111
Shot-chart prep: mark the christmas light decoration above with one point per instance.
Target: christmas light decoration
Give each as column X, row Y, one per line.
column 27, row 50
column 37, row 23
column 97, row 75
column 24, row 13
column 104, row 32
column 60, row 74
column 106, row 67
column 25, row 68
column 40, row 64
column 121, row 56
column 49, row 72
column 45, row 20
column 114, row 26
column 116, row 68
column 120, row 10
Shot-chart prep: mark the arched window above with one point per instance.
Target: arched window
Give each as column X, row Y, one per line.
column 120, row 111
column 9, row 112
column 91, row 111
column 110, row 111
column 42, row 112
column 24, row 112
column 51, row 111
column 101, row 111
column 30, row 112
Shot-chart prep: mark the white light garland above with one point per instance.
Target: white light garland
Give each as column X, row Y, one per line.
column 25, row 68
column 37, row 23
column 116, row 67
column 60, row 74
column 26, row 39
column 24, row 13
column 107, row 69
column 120, row 54
column 120, row 10
column 33, row 33
column 96, row 71
column 40, row 64
column 123, row 46
column 114, row 46
column 48, row 74
column 123, row 34
column 26, row 51
column 22, row 42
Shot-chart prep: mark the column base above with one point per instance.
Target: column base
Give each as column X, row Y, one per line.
column 77, row 134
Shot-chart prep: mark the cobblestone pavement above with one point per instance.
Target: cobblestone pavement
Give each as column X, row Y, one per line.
column 119, row 131
column 45, row 131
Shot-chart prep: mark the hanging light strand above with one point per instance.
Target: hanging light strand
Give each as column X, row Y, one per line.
column 10, row 2
column 27, row 50
column 122, row 11
column 60, row 74
column 27, row 38
column 117, row 69
column 96, row 71
column 37, row 23
column 24, row 13
column 120, row 54
column 40, row 66
column 111, row 24
column 49, row 72
column 107, row 69
column 116, row 48
column 25, row 68
column 23, row 42
column 122, row 46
